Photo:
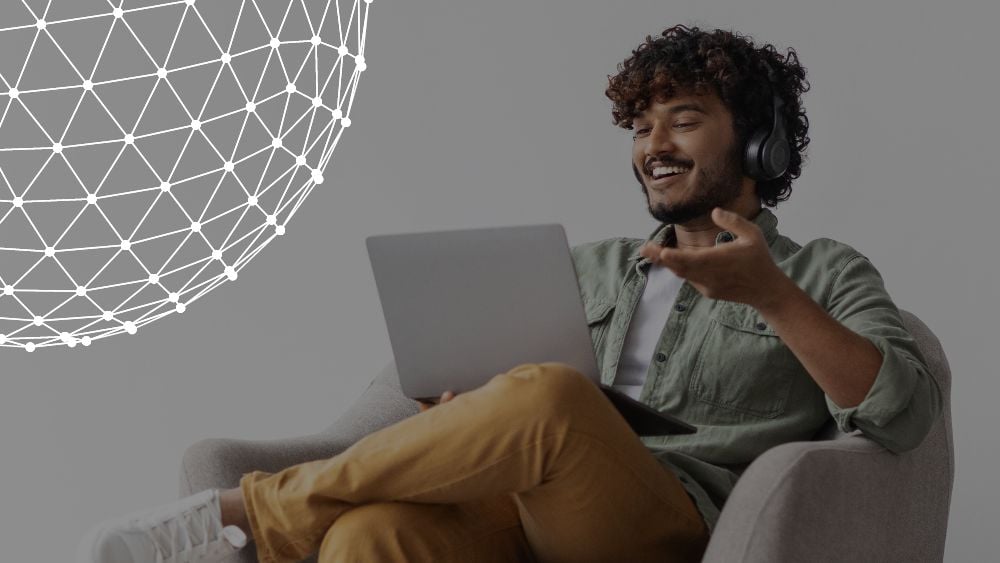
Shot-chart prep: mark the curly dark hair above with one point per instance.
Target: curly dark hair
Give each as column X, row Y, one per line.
column 729, row 65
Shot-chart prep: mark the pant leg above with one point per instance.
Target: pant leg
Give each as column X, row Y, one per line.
column 587, row 489
column 487, row 531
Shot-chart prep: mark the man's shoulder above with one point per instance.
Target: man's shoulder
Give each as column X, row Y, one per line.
column 826, row 253
column 601, row 267
column 816, row 266
column 609, row 250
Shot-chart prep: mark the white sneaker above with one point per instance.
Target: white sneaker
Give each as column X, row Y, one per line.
column 185, row 531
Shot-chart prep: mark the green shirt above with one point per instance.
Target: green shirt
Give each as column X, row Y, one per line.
column 721, row 368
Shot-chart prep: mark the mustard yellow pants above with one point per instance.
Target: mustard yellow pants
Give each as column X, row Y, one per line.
column 536, row 465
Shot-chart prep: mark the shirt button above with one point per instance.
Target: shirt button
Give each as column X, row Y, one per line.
column 660, row 357
column 761, row 326
column 680, row 307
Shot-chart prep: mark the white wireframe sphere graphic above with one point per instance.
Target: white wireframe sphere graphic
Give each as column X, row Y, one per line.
column 150, row 149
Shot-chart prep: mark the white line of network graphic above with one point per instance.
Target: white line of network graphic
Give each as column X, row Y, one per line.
column 149, row 150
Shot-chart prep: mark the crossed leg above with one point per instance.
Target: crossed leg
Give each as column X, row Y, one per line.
column 540, row 443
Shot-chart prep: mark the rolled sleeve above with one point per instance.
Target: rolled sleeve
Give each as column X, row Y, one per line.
column 904, row 401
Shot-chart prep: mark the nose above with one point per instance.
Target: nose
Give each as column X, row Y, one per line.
column 658, row 141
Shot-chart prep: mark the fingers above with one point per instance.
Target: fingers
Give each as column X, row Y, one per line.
column 445, row 397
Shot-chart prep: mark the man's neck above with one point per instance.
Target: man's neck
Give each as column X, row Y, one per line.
column 701, row 232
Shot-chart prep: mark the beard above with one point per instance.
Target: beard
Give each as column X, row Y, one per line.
column 715, row 186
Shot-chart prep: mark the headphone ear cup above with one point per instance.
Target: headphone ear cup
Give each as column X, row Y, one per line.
column 752, row 154
column 775, row 157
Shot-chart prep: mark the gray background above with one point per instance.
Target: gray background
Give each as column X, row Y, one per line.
column 492, row 113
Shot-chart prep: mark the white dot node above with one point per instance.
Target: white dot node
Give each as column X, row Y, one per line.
column 252, row 200
column 64, row 336
column 317, row 102
column 251, row 107
column 107, row 315
column 165, row 187
column 362, row 67
column 154, row 278
column 18, row 201
column 216, row 254
column 195, row 124
column 291, row 89
column 130, row 327
column 8, row 290
column 279, row 230
column 338, row 113
column 275, row 43
column 126, row 244
column 88, row 85
column 189, row 2
column 226, row 58
column 342, row 50
column 345, row 122
column 38, row 320
column 3, row 338
column 229, row 166
column 81, row 291
column 161, row 72
column 71, row 342
column 317, row 177
column 180, row 308
column 118, row 13
column 271, row 220
column 300, row 160
column 231, row 273
column 41, row 24
column 30, row 346
column 195, row 227
column 49, row 251
column 91, row 199
column 13, row 93
column 85, row 341
column 57, row 148
column 173, row 297
column 129, row 139
column 316, row 40
column 276, row 142
column 368, row 1
column 360, row 59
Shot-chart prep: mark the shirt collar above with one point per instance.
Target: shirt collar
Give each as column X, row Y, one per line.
column 765, row 219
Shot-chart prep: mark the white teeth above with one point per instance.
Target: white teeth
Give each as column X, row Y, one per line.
column 660, row 171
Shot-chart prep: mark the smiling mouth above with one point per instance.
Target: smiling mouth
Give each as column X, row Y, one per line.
column 666, row 180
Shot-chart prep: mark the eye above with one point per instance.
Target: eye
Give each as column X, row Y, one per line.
column 641, row 132
column 682, row 125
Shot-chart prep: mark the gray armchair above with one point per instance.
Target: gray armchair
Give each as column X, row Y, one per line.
column 840, row 497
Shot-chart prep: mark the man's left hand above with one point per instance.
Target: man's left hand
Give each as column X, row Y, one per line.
column 741, row 270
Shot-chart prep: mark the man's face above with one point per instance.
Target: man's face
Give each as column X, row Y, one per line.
column 696, row 133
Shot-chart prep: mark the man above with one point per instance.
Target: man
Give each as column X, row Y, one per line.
column 716, row 318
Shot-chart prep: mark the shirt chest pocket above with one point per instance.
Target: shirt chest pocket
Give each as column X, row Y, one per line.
column 598, row 319
column 743, row 367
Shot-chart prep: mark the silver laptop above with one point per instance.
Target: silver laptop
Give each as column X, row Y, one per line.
column 462, row 306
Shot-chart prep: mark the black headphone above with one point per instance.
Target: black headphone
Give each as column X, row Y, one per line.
column 767, row 154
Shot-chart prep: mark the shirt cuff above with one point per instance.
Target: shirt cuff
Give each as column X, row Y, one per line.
column 891, row 393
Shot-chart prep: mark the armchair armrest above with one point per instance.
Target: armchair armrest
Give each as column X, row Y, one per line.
column 833, row 500
column 219, row 463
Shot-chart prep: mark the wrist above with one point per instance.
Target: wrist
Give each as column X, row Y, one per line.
column 781, row 291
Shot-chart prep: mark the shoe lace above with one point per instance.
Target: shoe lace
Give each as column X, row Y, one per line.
column 188, row 533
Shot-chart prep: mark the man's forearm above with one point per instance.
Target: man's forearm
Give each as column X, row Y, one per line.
column 843, row 363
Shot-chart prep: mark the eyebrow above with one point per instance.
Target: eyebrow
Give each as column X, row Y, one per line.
column 679, row 108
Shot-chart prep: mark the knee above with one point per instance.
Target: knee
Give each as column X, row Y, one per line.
column 370, row 532
column 549, row 386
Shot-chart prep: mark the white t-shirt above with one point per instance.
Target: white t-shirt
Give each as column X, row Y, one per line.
column 644, row 331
